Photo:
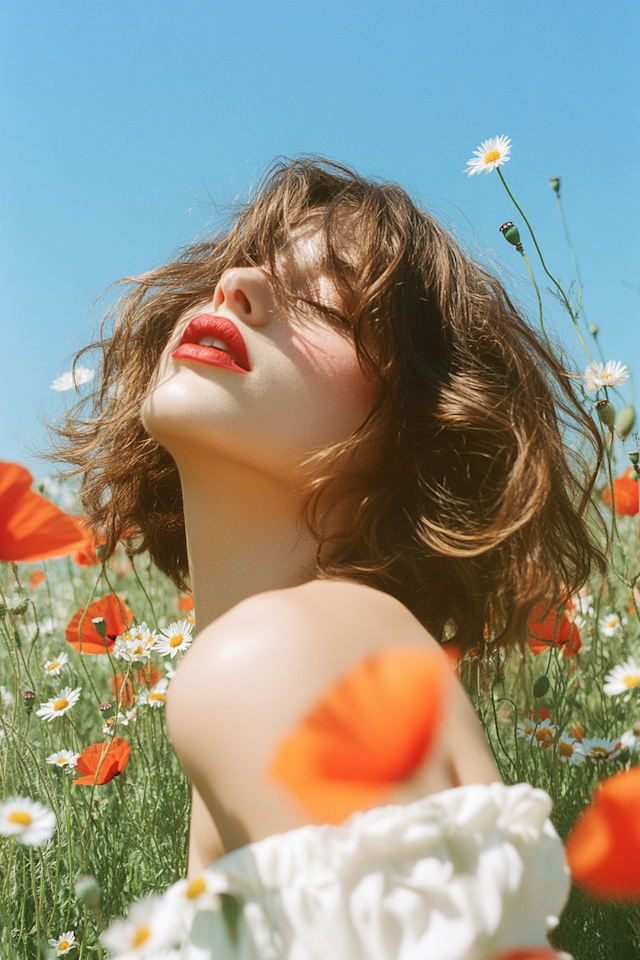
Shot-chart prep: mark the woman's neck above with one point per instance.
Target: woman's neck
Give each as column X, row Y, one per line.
column 243, row 536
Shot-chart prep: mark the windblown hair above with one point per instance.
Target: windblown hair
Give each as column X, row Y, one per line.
column 472, row 506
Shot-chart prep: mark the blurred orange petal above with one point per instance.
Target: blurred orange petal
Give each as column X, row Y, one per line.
column 117, row 615
column 148, row 676
column 31, row 527
column 625, row 491
column 36, row 578
column 114, row 757
column 525, row 953
column 371, row 732
column 185, row 603
column 603, row 849
column 552, row 629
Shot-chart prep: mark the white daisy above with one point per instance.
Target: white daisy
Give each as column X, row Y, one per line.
column 610, row 624
column 526, row 728
column 69, row 380
column 130, row 716
column 610, row 374
column 629, row 740
column 600, row 749
column 153, row 926
column 544, row 735
column 199, row 894
column 174, row 639
column 57, row 706
column 156, row 696
column 53, row 667
column 7, row 699
column 27, row 820
column 622, row 678
column 63, row 758
column 570, row 750
column 64, row 943
column 489, row 155
column 111, row 722
column 170, row 670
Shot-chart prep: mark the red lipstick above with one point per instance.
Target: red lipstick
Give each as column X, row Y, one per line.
column 213, row 340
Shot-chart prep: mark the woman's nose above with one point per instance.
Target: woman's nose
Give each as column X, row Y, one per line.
column 241, row 290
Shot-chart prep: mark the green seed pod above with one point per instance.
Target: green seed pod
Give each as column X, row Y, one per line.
column 594, row 329
column 625, row 421
column 19, row 607
column 541, row 686
column 637, row 471
column 101, row 551
column 607, row 412
column 634, row 456
column 554, row 183
column 511, row 233
column 106, row 709
column 101, row 626
column 87, row 889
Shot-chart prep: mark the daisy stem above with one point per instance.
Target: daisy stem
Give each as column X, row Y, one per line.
column 533, row 280
column 544, row 266
column 142, row 586
column 32, row 871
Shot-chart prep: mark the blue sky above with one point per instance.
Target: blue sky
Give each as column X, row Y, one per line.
column 127, row 126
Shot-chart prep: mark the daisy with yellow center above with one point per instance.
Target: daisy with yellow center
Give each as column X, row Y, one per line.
column 135, row 644
column 156, row 696
column 544, row 736
column 609, row 374
column 570, row 750
column 601, row 749
column 621, row 679
column 203, row 893
column 489, row 155
column 153, row 926
column 57, row 706
column 175, row 639
column 65, row 759
column 64, row 943
column 53, row 667
column 27, row 820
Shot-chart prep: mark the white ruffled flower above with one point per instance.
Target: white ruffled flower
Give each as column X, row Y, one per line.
column 629, row 741
column 156, row 696
column 136, row 644
column 174, row 639
column 489, row 155
column 152, row 927
column 610, row 374
column 622, row 678
column 71, row 379
column 27, row 820
column 53, row 667
column 63, row 759
column 57, row 706
column 64, row 943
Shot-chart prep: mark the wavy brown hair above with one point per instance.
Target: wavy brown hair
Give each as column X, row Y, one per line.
column 471, row 506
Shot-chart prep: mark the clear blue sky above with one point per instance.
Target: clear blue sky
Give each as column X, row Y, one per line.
column 127, row 123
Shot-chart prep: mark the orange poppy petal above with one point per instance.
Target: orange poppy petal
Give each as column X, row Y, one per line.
column 31, row 527
column 114, row 759
column 551, row 629
column 369, row 733
column 118, row 618
column 625, row 490
column 603, row 849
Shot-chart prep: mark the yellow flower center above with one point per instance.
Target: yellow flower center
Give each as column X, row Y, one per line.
column 138, row 651
column 176, row 640
column 62, row 761
column 20, row 817
column 565, row 750
column 126, row 637
column 141, row 936
column 544, row 737
column 53, row 666
column 631, row 680
column 195, row 889
column 63, row 945
column 61, row 704
column 599, row 753
column 158, row 696
column 492, row 156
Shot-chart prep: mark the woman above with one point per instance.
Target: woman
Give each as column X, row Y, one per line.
column 340, row 428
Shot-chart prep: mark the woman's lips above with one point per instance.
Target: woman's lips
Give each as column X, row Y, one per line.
column 230, row 351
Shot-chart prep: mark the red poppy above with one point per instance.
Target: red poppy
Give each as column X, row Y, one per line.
column 148, row 676
column 118, row 618
column 86, row 556
column 603, row 849
column 185, row 603
column 31, row 527
column 554, row 629
column 625, row 491
column 102, row 762
column 36, row 578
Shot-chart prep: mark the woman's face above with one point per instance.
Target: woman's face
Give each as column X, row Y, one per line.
column 247, row 378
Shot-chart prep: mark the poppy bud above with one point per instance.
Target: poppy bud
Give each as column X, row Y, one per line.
column 634, row 456
column 101, row 626
column 606, row 412
column 554, row 183
column 87, row 889
column 106, row 709
column 19, row 607
column 594, row 329
column 29, row 697
column 101, row 551
column 511, row 233
column 625, row 421
column 541, row 686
